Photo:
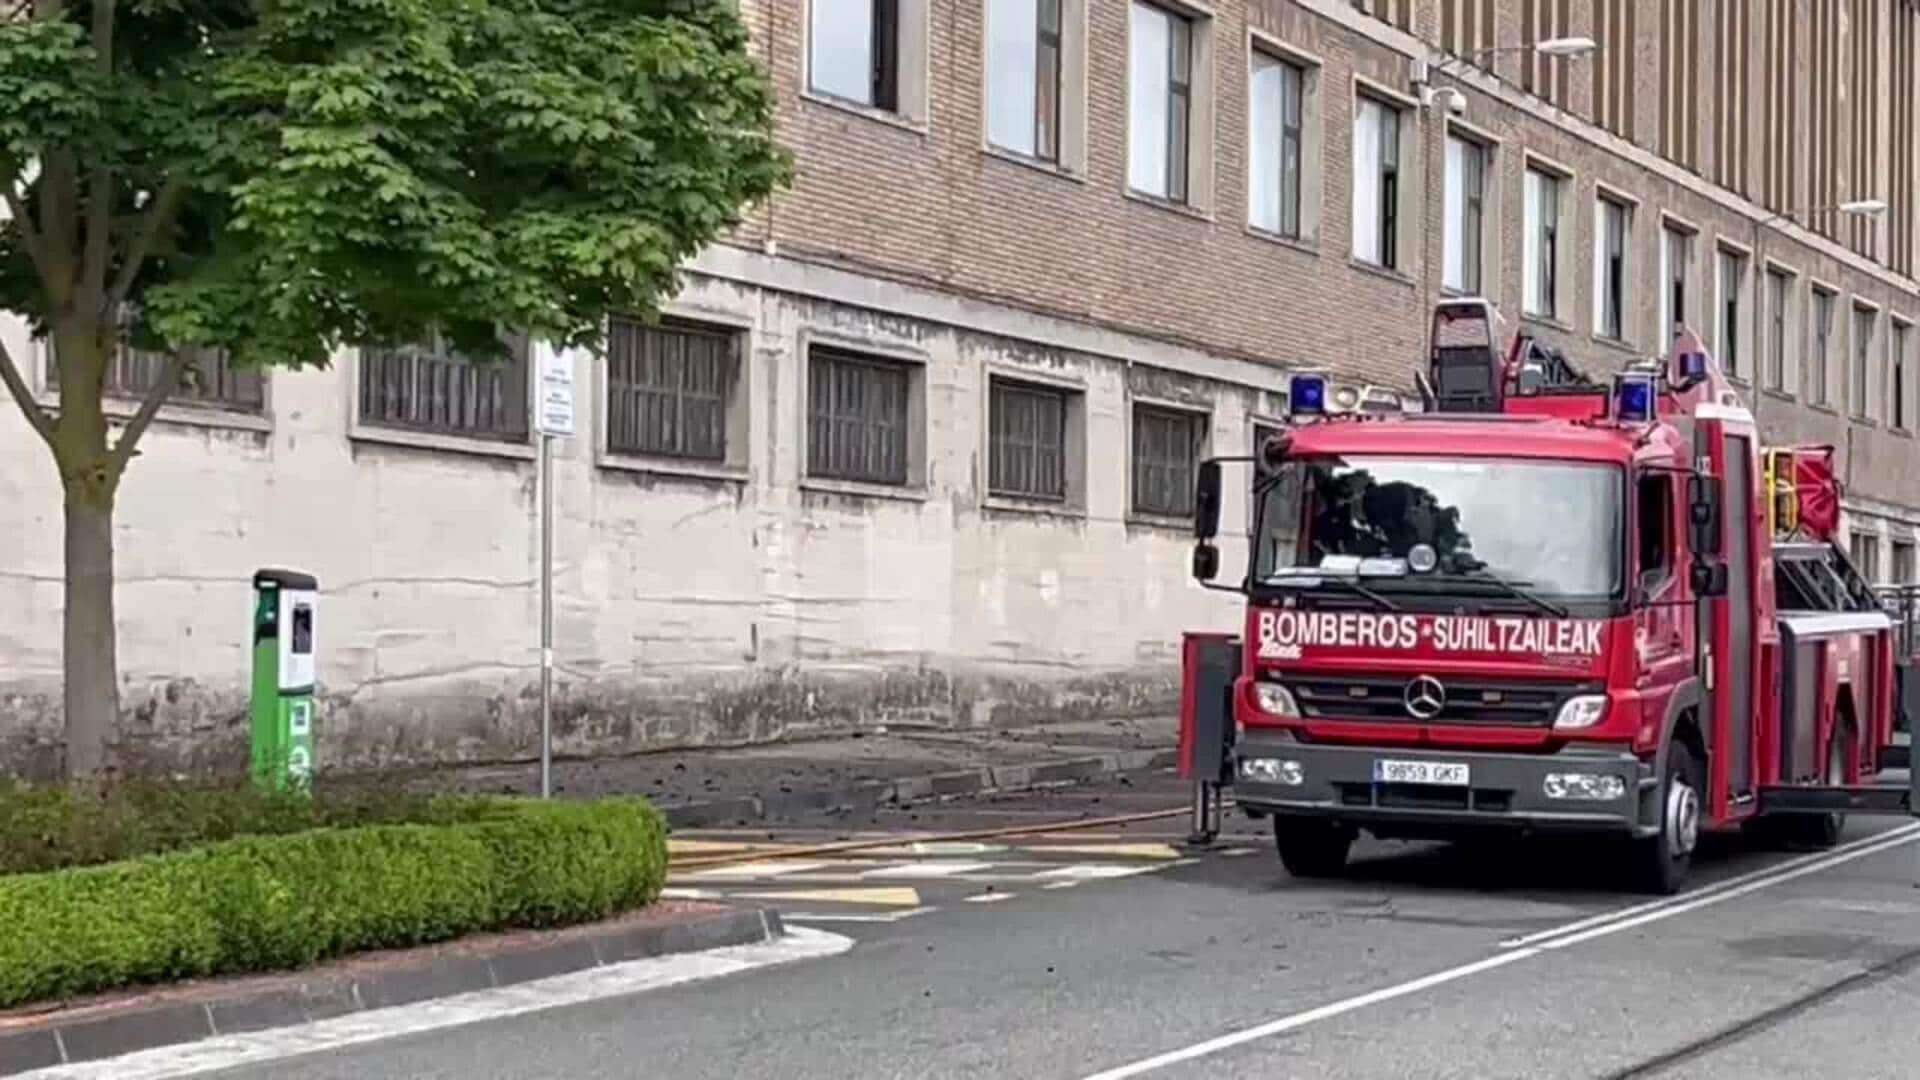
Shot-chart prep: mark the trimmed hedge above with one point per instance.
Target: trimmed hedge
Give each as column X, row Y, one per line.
column 50, row 828
column 266, row 903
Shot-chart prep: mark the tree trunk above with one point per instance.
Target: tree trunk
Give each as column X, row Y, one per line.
column 92, row 674
column 90, row 476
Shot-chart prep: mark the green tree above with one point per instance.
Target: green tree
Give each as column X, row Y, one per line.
column 279, row 178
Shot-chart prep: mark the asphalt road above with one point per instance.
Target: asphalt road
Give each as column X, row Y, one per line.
column 1109, row 949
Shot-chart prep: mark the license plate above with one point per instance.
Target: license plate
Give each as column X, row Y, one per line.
column 1447, row 774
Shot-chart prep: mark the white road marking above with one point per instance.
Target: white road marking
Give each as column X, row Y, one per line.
column 924, row 870
column 859, row 917
column 1823, row 858
column 1903, row 837
column 989, row 897
column 1093, row 871
column 1060, row 885
column 1549, row 941
column 377, row 1025
column 1298, row 1020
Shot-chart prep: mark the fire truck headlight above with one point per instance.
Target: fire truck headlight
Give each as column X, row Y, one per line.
column 1275, row 700
column 1596, row 787
column 1272, row 771
column 1581, row 712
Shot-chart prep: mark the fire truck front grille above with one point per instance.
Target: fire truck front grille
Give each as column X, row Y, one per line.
column 1511, row 703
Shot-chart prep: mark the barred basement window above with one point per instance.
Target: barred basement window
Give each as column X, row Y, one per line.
column 209, row 380
column 668, row 386
column 1027, row 441
column 1166, row 454
column 433, row 389
column 857, row 417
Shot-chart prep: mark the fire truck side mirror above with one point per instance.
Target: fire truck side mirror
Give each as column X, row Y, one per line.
column 1206, row 561
column 1709, row 576
column 1206, row 502
column 1703, row 515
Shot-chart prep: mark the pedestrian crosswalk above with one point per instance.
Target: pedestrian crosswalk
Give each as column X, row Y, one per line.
column 891, row 882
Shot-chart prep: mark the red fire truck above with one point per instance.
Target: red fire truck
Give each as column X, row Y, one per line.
column 1539, row 603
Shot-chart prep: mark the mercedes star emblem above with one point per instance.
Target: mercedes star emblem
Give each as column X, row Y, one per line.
column 1425, row 697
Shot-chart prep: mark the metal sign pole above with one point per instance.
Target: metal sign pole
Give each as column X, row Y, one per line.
column 553, row 418
column 546, row 616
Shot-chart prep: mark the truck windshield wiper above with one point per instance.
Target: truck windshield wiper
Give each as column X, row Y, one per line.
column 1307, row 579
column 1515, row 589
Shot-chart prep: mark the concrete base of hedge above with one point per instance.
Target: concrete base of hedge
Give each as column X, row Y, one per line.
column 257, row 1003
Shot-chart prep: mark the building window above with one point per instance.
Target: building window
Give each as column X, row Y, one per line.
column 1731, row 275
column 1822, row 339
column 208, row 379
column 1160, row 102
column 1863, row 319
column 1027, row 441
column 1865, row 551
column 1897, row 376
column 1542, row 244
column 1023, row 77
column 856, row 51
column 1273, row 160
column 1376, row 183
column 1779, row 294
column 1166, row 453
column 1676, row 264
column 858, row 417
column 434, row 389
column 1613, row 224
column 668, row 389
column 1466, row 210
column 1902, row 562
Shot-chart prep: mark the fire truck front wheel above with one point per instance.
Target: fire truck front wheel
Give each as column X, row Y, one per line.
column 1661, row 862
column 1311, row 848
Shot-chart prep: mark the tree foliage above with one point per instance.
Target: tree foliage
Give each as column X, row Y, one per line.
column 282, row 177
column 275, row 179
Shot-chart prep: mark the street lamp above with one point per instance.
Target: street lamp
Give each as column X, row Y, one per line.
column 1564, row 48
column 1860, row 208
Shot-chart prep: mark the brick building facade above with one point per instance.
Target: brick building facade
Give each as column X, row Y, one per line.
column 915, row 444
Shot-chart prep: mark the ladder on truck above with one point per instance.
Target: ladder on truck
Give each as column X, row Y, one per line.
column 1815, row 585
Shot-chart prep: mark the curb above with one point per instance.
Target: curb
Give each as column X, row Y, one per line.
column 961, row 783
column 112, row 1032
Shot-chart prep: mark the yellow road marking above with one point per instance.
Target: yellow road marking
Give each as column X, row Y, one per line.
column 765, row 868
column 881, row 897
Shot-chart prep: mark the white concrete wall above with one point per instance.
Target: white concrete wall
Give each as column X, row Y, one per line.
column 691, row 606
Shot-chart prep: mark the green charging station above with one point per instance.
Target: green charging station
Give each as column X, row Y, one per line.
column 283, row 606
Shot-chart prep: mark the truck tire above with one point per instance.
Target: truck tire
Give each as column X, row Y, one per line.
column 1822, row 831
column 1661, row 862
column 1311, row 848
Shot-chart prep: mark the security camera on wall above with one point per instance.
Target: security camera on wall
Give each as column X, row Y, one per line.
column 1457, row 104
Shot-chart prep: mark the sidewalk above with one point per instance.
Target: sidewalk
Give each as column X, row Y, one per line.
column 729, row 786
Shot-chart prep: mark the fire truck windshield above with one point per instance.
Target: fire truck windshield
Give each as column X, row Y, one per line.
column 1551, row 528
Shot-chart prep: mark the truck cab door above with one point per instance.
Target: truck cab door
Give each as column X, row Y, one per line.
column 1662, row 620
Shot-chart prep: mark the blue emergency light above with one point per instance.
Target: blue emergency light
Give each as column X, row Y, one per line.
column 1633, row 398
column 1693, row 367
column 1307, row 395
